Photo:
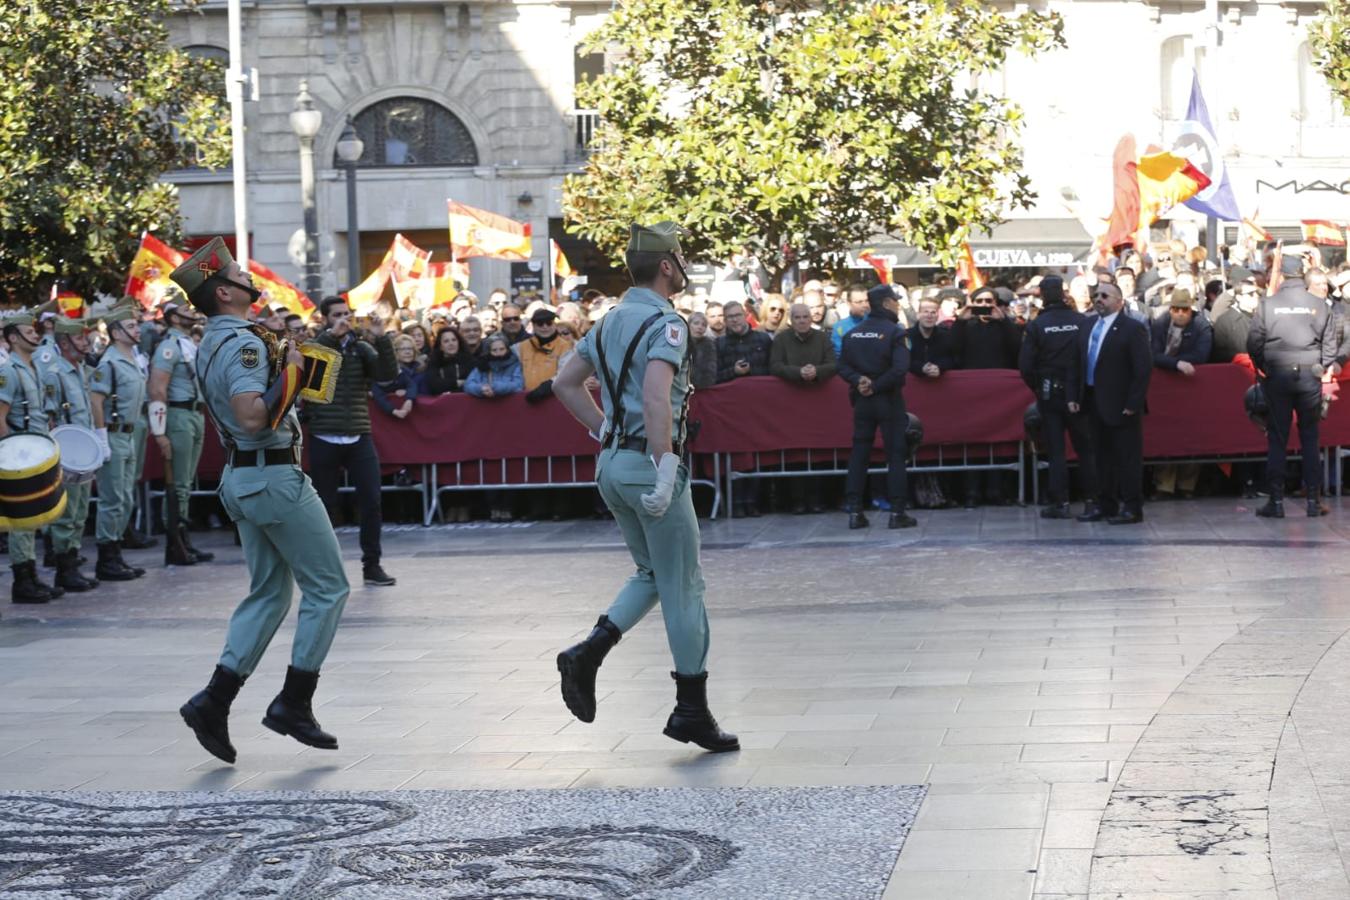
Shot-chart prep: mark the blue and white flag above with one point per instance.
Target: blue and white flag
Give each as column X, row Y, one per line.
column 1199, row 144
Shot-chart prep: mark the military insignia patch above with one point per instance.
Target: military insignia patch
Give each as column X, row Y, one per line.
column 167, row 353
column 2, row 381
column 674, row 334
column 98, row 374
column 248, row 357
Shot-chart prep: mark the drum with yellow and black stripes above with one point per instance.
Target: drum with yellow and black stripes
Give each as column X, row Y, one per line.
column 31, row 493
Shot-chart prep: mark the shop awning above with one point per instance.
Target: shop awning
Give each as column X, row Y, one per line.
column 1028, row 243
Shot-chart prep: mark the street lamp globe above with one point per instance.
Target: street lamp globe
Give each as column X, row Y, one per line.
column 349, row 145
column 305, row 120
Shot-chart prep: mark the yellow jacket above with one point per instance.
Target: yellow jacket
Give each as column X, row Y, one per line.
column 540, row 363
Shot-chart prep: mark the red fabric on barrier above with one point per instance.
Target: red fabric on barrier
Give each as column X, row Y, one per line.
column 1201, row 415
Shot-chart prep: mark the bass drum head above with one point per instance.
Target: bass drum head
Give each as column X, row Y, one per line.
column 25, row 455
column 31, row 495
column 81, row 452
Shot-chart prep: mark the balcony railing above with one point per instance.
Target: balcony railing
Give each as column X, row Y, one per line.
column 584, row 124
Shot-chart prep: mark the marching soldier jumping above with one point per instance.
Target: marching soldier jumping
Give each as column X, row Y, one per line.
column 178, row 424
column 117, row 393
column 640, row 351
column 249, row 383
column 65, row 383
column 22, row 411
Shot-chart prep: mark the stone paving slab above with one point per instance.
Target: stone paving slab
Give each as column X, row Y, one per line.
column 750, row 843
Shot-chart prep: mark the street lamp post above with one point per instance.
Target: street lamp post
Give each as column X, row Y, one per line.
column 349, row 150
column 305, row 122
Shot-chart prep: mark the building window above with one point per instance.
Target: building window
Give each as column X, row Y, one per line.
column 1317, row 104
column 409, row 131
column 1177, row 66
column 220, row 58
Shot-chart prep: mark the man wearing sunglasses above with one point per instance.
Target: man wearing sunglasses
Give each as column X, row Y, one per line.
column 1117, row 364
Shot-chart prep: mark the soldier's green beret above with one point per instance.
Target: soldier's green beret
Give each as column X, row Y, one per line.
column 206, row 262
column 663, row 237
column 67, row 325
column 122, row 312
column 16, row 317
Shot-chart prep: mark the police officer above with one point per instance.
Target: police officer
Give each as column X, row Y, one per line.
column 117, row 392
column 283, row 528
column 1051, row 366
column 22, row 411
column 177, row 423
column 874, row 362
column 1293, row 341
column 640, row 352
column 65, row 386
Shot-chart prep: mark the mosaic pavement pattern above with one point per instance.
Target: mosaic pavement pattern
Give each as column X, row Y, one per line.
column 606, row 844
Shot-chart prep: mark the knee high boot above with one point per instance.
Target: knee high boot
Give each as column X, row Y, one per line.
column 208, row 713
column 579, row 664
column 692, row 721
column 292, row 712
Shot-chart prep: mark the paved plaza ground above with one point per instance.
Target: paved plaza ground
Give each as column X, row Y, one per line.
column 1156, row 711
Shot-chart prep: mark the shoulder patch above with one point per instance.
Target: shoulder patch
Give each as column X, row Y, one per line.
column 3, row 379
column 248, row 357
column 674, row 334
column 98, row 374
column 167, row 352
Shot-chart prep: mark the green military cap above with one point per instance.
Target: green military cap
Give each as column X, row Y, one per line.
column 67, row 325
column 663, row 237
column 16, row 317
column 124, row 311
column 206, row 262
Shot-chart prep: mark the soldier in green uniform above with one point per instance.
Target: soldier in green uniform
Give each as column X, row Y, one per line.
column 177, row 423
column 65, row 386
column 117, row 391
column 22, row 410
column 640, row 352
column 283, row 527
column 133, row 538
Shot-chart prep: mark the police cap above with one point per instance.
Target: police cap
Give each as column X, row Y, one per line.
column 879, row 294
column 1291, row 266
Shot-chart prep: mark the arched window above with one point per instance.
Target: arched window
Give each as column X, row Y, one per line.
column 208, row 51
column 1177, row 62
column 410, row 131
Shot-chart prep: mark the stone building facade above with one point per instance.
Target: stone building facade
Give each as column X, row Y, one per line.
column 474, row 101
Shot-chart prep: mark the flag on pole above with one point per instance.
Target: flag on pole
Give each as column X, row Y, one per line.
column 476, row 232
column 561, row 267
column 437, row 286
column 1320, row 231
column 149, row 276
column 1145, row 191
column 967, row 271
column 409, row 260
column 883, row 268
column 1200, row 145
column 366, row 294
column 1253, row 232
column 277, row 291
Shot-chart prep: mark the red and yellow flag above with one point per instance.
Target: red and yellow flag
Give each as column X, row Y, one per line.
column 277, row 290
column 366, row 294
column 561, row 267
column 476, row 232
column 1145, row 191
column 68, row 303
column 967, row 271
column 149, row 276
column 438, row 286
column 883, row 269
column 1320, row 231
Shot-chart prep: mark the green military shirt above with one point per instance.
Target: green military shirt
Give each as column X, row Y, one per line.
column 232, row 360
column 65, row 389
column 666, row 339
column 120, row 375
column 176, row 355
column 46, row 353
column 19, row 387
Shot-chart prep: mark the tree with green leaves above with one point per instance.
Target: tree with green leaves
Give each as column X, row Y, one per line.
column 795, row 130
column 1329, row 36
column 95, row 105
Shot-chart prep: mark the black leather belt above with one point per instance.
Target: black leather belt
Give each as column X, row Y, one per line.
column 640, row 445
column 276, row 456
column 121, row 429
column 1315, row 368
column 185, row 404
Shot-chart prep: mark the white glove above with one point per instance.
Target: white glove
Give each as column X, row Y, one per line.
column 103, row 443
column 603, row 434
column 658, row 501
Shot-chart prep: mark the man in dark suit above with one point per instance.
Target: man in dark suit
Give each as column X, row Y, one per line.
column 1117, row 364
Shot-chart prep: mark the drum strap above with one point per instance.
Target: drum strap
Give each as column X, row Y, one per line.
column 27, row 405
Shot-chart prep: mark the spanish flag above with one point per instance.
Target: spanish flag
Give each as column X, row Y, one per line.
column 883, row 270
column 366, row 294
column 476, row 232
column 1320, row 231
column 1145, row 191
column 68, row 303
column 149, row 276
column 277, row 290
column 438, row 286
column 561, row 267
column 967, row 271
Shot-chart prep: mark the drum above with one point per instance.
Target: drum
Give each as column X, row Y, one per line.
column 81, row 453
column 31, row 494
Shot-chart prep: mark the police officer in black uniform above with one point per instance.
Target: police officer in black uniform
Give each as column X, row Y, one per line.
column 874, row 361
column 1293, row 341
column 1051, row 365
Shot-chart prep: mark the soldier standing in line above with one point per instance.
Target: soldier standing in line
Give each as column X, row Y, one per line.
column 640, row 351
column 117, row 392
column 65, row 385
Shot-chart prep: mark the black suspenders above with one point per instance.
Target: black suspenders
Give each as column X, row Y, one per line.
column 616, row 385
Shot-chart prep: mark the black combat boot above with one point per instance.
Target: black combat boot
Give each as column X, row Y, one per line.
column 110, row 566
column 1273, row 508
column 578, row 665
column 68, row 574
column 208, row 713
column 27, row 588
column 177, row 552
column 1316, row 508
column 292, row 713
column 857, row 520
column 136, row 571
column 901, row 519
column 691, row 720
column 135, row 540
column 202, row 555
